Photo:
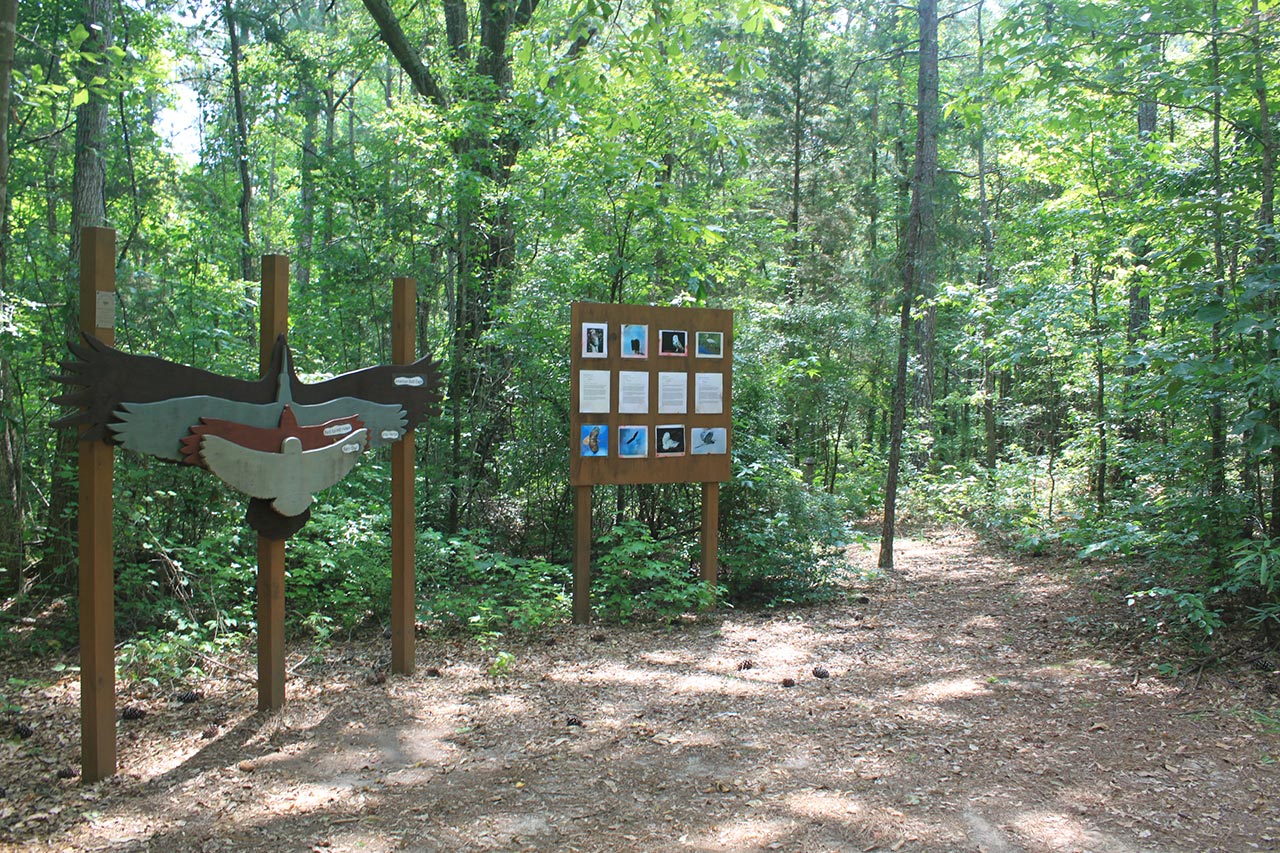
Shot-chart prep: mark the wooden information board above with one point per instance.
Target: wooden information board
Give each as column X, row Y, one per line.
column 652, row 402
column 652, row 393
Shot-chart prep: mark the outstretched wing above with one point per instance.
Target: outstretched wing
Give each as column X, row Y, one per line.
column 290, row 478
column 388, row 398
column 102, row 379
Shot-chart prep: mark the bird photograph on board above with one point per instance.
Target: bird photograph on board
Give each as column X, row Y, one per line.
column 277, row 439
column 669, row 440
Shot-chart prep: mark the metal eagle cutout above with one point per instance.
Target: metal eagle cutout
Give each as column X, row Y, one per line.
column 276, row 439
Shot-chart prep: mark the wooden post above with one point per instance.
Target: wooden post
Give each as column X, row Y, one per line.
column 581, row 555
column 274, row 322
column 403, row 586
column 710, row 531
column 97, row 571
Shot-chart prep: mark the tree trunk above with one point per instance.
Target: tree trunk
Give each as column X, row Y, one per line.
column 88, row 208
column 917, row 259
column 988, row 270
column 1139, row 318
column 1217, row 417
column 241, row 147
column 484, row 235
column 310, row 164
column 1100, row 387
column 12, row 508
column 1266, row 251
column 793, row 286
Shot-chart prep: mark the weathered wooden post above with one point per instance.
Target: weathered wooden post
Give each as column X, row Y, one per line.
column 404, row 306
column 274, row 321
column 97, row 568
column 581, row 554
column 710, row 531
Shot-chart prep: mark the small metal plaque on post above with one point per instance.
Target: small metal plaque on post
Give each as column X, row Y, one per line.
column 104, row 314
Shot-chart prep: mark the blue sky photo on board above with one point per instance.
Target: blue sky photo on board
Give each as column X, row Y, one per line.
column 633, row 442
column 595, row 440
column 635, row 340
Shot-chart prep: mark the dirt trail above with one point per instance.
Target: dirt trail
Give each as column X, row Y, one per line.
column 969, row 707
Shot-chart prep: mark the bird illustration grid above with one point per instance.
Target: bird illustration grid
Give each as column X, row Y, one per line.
column 651, row 394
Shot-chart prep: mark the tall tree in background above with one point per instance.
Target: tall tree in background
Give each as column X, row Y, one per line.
column 12, row 509
column 241, row 142
column 917, row 255
column 484, row 235
column 88, row 209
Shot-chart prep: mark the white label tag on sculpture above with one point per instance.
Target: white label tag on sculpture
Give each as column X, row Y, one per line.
column 353, row 447
column 338, row 429
column 415, row 381
column 390, row 434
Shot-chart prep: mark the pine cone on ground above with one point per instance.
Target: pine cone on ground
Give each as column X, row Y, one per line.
column 788, row 682
column 23, row 730
column 133, row 712
column 821, row 672
column 746, row 664
column 186, row 697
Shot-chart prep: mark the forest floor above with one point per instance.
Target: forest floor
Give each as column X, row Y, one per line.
column 975, row 701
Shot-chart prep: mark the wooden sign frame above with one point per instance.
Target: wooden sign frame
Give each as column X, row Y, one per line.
column 613, row 468
column 660, row 375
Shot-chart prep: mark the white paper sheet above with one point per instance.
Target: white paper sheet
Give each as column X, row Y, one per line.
column 673, row 393
column 633, row 392
column 593, row 391
column 708, row 396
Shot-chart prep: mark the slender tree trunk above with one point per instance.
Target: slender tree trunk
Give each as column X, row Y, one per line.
column 917, row 259
column 988, row 272
column 801, row 17
column 1100, row 387
column 330, row 142
column 1139, row 316
column 12, row 505
column 241, row 146
column 307, row 189
column 88, row 208
column 1266, row 251
column 1217, row 417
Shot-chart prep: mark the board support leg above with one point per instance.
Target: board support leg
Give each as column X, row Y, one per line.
column 710, row 532
column 581, row 555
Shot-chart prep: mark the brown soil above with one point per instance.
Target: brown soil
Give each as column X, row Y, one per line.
column 974, row 703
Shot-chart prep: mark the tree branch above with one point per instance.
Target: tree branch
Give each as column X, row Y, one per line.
column 393, row 35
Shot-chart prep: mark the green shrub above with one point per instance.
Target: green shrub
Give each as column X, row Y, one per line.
column 781, row 542
column 638, row 576
column 465, row 586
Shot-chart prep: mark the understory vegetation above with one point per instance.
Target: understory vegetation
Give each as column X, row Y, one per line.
column 1090, row 341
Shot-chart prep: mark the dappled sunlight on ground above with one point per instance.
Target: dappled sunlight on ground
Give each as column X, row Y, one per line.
column 961, row 713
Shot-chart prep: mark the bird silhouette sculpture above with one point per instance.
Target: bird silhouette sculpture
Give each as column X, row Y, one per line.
column 278, row 439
